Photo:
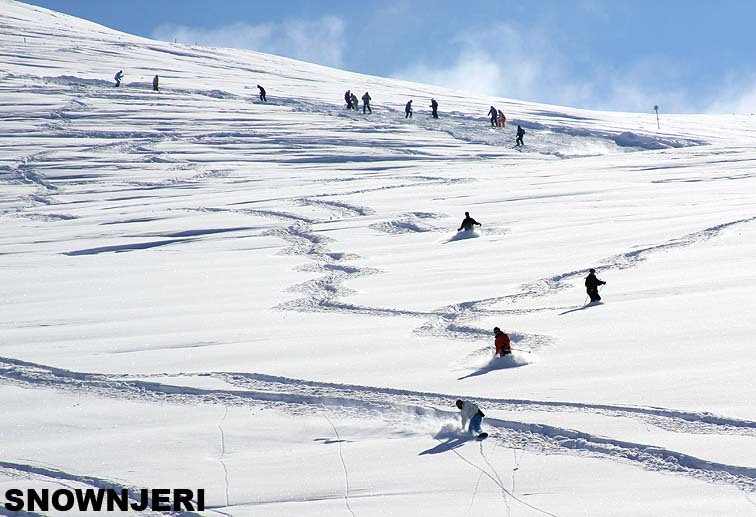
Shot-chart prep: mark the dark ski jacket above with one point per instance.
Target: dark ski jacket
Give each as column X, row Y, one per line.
column 408, row 107
column 520, row 131
column 493, row 112
column 591, row 282
column 366, row 98
column 434, row 104
column 467, row 224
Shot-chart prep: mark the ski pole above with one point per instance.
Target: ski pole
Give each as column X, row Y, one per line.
column 520, row 350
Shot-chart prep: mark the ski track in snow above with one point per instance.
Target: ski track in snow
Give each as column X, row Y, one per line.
column 297, row 396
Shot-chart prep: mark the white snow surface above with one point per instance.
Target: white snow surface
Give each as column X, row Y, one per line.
column 271, row 301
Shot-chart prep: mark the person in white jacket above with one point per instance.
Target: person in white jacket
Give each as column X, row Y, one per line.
column 470, row 412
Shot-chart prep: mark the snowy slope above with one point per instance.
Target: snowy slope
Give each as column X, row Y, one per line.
column 269, row 301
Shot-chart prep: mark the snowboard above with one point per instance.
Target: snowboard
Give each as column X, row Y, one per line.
column 482, row 436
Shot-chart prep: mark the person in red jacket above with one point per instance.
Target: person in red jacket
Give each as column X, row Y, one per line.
column 502, row 343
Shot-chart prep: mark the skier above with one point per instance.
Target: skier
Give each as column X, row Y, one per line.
column 348, row 99
column 366, row 103
column 592, row 284
column 502, row 343
column 492, row 113
column 118, row 77
column 355, row 102
column 467, row 223
column 434, row 108
column 155, row 81
column 471, row 412
column 408, row 109
column 262, row 93
column 520, row 134
column 501, row 119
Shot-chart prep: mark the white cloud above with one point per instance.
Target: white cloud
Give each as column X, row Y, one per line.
column 529, row 65
column 319, row 40
column 738, row 95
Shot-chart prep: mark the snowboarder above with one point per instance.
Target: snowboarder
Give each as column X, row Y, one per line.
column 355, row 102
column 471, row 412
column 118, row 77
column 492, row 113
column 467, row 223
column 592, row 284
column 262, row 93
column 408, row 109
column 434, row 108
column 520, row 134
column 366, row 103
column 155, row 81
column 501, row 119
column 502, row 343
column 348, row 99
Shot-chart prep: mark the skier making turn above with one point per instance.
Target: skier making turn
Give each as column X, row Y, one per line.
column 592, row 284
column 467, row 223
column 502, row 343
column 471, row 412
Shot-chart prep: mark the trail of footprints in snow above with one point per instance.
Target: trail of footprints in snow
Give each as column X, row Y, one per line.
column 393, row 406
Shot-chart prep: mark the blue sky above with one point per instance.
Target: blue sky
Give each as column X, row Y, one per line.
column 602, row 54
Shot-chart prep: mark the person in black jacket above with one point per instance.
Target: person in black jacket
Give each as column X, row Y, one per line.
column 408, row 109
column 434, row 108
column 348, row 99
column 592, row 284
column 262, row 93
column 520, row 134
column 493, row 112
column 366, row 103
column 467, row 223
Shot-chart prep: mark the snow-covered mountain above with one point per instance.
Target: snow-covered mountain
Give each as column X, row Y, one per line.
column 270, row 301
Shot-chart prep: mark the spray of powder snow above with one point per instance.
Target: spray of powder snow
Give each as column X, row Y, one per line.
column 464, row 234
column 482, row 361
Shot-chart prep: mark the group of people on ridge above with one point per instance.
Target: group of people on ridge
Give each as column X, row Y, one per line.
column 352, row 103
column 498, row 119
